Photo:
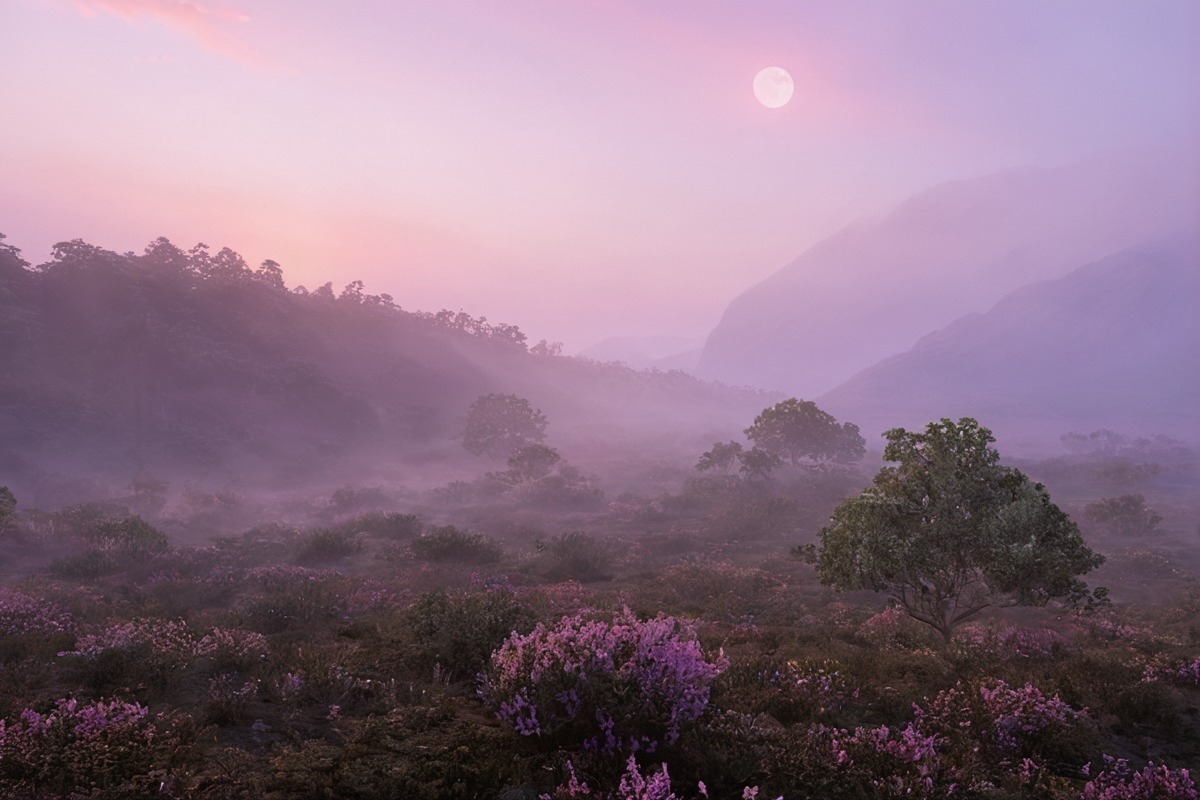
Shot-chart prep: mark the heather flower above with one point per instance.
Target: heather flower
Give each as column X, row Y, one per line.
column 76, row 747
column 1151, row 783
column 23, row 615
column 619, row 686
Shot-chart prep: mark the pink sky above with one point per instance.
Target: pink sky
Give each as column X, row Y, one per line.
column 581, row 169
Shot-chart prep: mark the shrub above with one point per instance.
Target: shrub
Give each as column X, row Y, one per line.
column 575, row 556
column 324, row 544
column 98, row 750
column 1120, row 782
column 448, row 543
column 1126, row 516
column 610, row 687
column 459, row 630
column 389, row 525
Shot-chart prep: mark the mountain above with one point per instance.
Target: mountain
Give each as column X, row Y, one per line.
column 189, row 366
column 872, row 289
column 1114, row 344
column 647, row 352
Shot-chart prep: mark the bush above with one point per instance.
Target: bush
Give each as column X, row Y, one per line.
column 574, row 556
column 97, row 750
column 1126, row 516
column 388, row 525
column 450, row 544
column 609, row 687
column 459, row 630
column 325, row 544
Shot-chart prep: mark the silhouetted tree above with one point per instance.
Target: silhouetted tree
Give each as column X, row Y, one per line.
column 499, row 424
column 796, row 430
column 270, row 274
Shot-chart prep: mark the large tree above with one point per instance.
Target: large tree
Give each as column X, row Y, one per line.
column 949, row 532
column 796, row 430
column 500, row 424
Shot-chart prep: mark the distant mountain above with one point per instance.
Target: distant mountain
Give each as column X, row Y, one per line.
column 1114, row 344
column 647, row 352
column 875, row 288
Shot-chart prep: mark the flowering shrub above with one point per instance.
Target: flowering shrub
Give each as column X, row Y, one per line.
column 1010, row 722
column 890, row 629
column 633, row 785
column 617, row 686
column 22, row 615
column 99, row 749
column 172, row 643
column 1151, row 783
column 1172, row 670
column 1009, row 641
column 791, row 691
column 892, row 761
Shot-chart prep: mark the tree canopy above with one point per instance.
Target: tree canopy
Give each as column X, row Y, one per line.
column 500, row 424
column 949, row 532
column 796, row 430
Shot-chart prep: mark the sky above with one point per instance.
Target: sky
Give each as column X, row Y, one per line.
column 581, row 169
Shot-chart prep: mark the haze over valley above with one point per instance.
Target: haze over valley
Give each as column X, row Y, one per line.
column 668, row 401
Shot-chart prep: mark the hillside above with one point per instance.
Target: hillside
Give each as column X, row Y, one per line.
column 190, row 365
column 877, row 287
column 1113, row 344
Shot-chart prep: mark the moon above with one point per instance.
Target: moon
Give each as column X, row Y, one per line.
column 773, row 87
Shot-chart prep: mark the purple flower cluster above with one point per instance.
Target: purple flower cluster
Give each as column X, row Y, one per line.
column 1175, row 671
column 171, row 641
column 1152, row 782
column 820, row 683
column 633, row 785
column 1008, row 641
column 903, row 761
column 71, row 720
column 22, row 615
column 612, row 686
column 1008, row 715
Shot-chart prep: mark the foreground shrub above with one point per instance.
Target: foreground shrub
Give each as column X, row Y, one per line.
column 22, row 615
column 1120, row 782
column 610, row 687
column 450, row 544
column 96, row 750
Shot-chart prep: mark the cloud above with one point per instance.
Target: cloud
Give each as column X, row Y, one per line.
column 210, row 26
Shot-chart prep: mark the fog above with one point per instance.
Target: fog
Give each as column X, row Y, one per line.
column 548, row 417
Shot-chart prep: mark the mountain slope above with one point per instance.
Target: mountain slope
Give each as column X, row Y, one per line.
column 1113, row 344
column 862, row 294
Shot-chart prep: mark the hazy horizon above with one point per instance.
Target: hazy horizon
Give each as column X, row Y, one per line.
column 584, row 172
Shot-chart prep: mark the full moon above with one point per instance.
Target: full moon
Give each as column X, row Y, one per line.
column 773, row 87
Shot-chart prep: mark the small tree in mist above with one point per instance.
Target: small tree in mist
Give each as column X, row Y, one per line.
column 499, row 424
column 796, row 430
column 950, row 532
column 721, row 457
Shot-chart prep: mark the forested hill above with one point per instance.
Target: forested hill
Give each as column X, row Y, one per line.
column 193, row 364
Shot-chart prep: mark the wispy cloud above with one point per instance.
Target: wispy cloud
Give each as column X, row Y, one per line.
column 211, row 26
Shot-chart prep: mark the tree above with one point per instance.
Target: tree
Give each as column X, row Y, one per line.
column 722, row 457
column 949, row 532
column 1126, row 516
column 533, row 461
column 499, row 424
column 796, row 430
column 758, row 463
